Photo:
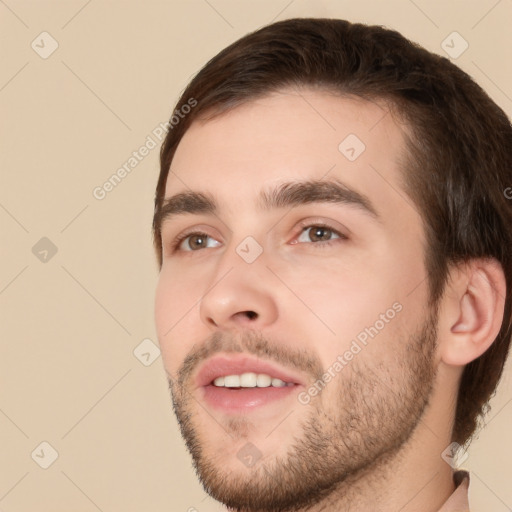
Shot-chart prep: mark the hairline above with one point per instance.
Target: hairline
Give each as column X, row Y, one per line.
column 393, row 105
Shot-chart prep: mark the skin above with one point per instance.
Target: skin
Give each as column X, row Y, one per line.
column 313, row 298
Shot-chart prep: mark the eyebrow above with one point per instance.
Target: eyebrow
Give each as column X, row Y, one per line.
column 286, row 195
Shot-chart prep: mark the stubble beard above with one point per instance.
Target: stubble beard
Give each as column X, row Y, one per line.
column 372, row 416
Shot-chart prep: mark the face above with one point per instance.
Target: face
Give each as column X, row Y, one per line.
column 291, row 307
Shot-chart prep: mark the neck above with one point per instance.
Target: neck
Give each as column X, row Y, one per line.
column 413, row 479
column 400, row 482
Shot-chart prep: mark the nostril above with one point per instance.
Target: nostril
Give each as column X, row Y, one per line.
column 251, row 315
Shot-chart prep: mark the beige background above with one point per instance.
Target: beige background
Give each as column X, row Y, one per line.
column 70, row 324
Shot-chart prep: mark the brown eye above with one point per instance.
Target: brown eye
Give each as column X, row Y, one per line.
column 197, row 241
column 317, row 234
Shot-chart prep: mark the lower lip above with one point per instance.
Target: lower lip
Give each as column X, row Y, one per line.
column 236, row 400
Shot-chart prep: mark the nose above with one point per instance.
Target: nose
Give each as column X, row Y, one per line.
column 239, row 296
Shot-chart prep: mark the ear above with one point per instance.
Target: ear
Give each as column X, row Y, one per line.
column 471, row 310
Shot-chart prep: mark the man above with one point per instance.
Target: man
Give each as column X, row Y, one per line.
column 333, row 306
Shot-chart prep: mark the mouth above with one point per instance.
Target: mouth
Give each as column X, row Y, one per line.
column 241, row 383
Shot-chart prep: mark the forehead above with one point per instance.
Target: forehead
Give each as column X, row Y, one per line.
column 293, row 135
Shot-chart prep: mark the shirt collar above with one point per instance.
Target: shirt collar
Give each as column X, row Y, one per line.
column 458, row 501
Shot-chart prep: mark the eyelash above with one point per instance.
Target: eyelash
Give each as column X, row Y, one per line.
column 304, row 226
column 183, row 236
column 325, row 243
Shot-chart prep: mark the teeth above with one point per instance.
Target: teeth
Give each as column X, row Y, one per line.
column 263, row 380
column 232, row 381
column 249, row 380
column 219, row 381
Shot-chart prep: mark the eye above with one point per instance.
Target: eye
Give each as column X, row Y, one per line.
column 318, row 233
column 195, row 242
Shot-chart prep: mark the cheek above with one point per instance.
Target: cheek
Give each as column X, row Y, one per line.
column 342, row 299
column 175, row 308
column 361, row 298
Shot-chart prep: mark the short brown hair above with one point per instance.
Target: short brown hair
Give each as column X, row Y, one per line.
column 459, row 158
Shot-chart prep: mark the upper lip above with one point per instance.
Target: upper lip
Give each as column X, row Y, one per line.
column 218, row 366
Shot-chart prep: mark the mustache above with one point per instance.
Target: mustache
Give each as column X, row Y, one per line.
column 253, row 343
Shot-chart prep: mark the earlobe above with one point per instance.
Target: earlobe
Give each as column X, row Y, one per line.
column 473, row 311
